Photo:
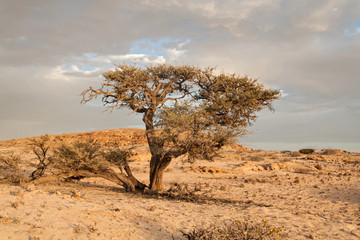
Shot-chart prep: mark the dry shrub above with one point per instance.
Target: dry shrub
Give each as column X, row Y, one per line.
column 89, row 155
column 330, row 152
column 184, row 192
column 295, row 154
column 79, row 155
column 285, row 152
column 41, row 147
column 119, row 157
column 307, row 151
column 256, row 158
column 235, row 229
column 271, row 155
column 10, row 164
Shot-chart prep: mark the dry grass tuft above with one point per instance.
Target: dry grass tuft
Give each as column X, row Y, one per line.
column 236, row 229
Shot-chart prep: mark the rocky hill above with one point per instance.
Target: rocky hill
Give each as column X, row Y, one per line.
column 109, row 137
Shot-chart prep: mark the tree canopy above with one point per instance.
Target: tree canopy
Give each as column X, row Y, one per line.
column 186, row 109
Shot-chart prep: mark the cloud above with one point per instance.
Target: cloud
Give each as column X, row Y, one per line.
column 50, row 51
column 75, row 67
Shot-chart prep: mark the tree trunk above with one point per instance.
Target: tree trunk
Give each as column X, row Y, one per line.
column 159, row 160
column 129, row 183
column 158, row 164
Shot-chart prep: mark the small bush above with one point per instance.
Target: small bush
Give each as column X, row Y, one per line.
column 256, row 158
column 237, row 230
column 330, row 152
column 182, row 191
column 307, row 151
column 11, row 164
column 79, row 155
column 295, row 154
column 41, row 148
column 285, row 152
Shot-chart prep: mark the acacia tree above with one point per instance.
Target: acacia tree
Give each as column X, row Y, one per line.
column 186, row 109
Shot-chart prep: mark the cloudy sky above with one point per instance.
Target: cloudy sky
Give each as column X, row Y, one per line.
column 51, row 50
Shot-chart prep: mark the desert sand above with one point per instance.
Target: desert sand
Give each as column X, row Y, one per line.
column 314, row 196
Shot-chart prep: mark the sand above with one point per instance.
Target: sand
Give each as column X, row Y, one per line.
column 313, row 196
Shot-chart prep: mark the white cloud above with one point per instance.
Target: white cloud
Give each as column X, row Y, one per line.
column 57, row 73
column 97, row 64
column 352, row 32
column 173, row 54
column 283, row 94
column 133, row 58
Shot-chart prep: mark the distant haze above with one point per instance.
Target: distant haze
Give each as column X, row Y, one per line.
column 50, row 51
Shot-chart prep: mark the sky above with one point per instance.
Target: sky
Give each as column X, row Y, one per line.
column 52, row 50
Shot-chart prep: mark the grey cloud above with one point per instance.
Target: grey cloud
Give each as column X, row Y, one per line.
column 307, row 48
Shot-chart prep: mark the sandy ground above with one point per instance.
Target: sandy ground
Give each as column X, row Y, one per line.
column 311, row 196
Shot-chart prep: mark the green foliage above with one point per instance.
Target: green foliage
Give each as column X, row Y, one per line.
column 232, row 100
column 119, row 157
column 307, row 151
column 188, row 129
column 238, row 230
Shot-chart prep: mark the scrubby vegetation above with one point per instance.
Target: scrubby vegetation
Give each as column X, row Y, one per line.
column 295, row 154
column 79, row 156
column 236, row 229
column 41, row 148
column 82, row 159
column 307, row 151
column 75, row 160
column 330, row 151
column 10, row 168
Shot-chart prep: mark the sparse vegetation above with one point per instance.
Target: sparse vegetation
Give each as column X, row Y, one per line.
column 79, row 156
column 307, row 151
column 295, row 154
column 237, row 229
column 330, row 152
column 184, row 192
column 256, row 158
column 82, row 159
column 214, row 191
column 10, row 164
column 41, row 149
